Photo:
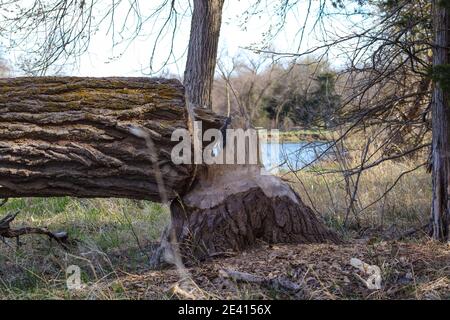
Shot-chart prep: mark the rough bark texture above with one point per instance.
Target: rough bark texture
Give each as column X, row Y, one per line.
column 202, row 53
column 441, row 127
column 230, row 209
column 83, row 137
column 66, row 136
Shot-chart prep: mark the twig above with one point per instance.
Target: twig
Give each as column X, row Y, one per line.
column 3, row 202
column 277, row 283
column 410, row 232
column 6, row 231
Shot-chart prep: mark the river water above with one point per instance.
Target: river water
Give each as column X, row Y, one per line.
column 291, row 155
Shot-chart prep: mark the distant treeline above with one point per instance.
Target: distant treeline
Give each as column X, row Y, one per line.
column 282, row 96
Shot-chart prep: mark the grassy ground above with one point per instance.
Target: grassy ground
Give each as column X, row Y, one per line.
column 111, row 236
column 115, row 237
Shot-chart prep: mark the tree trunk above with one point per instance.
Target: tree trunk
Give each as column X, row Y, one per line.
column 65, row 136
column 232, row 207
column 441, row 125
column 202, row 52
column 229, row 207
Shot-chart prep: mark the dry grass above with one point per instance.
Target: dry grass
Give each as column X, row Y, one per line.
column 391, row 197
column 115, row 237
column 112, row 236
column 408, row 270
column 407, row 205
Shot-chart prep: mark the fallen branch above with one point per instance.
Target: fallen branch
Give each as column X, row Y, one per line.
column 277, row 283
column 408, row 233
column 3, row 202
column 7, row 232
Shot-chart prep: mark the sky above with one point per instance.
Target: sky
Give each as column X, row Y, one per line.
column 132, row 58
column 234, row 39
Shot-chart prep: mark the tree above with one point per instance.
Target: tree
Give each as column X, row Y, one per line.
column 230, row 207
column 202, row 51
column 316, row 105
column 223, row 207
column 407, row 78
column 239, row 90
column 440, row 215
column 398, row 49
column 403, row 78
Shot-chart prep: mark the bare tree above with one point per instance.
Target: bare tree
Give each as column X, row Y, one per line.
column 242, row 85
column 386, row 83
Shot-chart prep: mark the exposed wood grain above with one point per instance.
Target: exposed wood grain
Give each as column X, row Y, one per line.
column 234, row 207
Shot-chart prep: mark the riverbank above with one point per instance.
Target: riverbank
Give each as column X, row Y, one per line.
column 305, row 135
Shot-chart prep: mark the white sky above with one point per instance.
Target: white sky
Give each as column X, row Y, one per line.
column 135, row 61
column 102, row 59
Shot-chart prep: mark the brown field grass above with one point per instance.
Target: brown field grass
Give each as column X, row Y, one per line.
column 113, row 240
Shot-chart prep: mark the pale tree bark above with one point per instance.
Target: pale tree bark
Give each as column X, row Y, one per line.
column 441, row 124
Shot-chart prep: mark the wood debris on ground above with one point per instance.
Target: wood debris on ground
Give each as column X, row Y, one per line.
column 322, row 271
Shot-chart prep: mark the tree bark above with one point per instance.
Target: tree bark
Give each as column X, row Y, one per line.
column 84, row 137
column 202, row 53
column 229, row 207
column 441, row 124
column 66, row 136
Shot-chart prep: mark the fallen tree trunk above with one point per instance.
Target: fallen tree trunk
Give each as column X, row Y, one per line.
column 67, row 136
column 87, row 137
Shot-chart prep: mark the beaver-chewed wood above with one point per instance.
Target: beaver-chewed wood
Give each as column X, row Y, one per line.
column 111, row 137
